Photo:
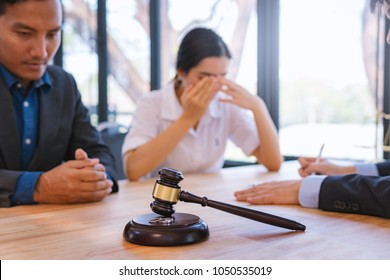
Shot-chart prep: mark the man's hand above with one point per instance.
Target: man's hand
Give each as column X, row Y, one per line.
column 310, row 166
column 277, row 192
column 75, row 181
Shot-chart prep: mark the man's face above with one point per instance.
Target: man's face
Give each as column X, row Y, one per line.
column 30, row 34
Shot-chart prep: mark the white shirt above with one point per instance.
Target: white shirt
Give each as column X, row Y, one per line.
column 310, row 188
column 201, row 150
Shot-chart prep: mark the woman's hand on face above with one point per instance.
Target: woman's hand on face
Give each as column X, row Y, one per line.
column 196, row 97
column 238, row 95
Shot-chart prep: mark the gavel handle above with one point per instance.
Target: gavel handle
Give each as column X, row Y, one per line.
column 243, row 212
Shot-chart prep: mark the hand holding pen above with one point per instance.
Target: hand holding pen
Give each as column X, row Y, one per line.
column 313, row 166
column 321, row 166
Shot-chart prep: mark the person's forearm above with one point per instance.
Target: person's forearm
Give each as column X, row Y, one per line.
column 269, row 153
column 145, row 158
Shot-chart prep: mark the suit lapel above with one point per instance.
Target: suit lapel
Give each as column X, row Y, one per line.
column 9, row 134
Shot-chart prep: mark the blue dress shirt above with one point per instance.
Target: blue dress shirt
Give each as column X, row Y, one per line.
column 26, row 106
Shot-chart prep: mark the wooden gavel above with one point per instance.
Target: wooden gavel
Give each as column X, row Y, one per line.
column 167, row 192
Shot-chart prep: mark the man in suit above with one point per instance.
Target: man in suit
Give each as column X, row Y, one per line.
column 49, row 152
column 363, row 188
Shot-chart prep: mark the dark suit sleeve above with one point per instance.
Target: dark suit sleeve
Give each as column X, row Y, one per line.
column 64, row 126
column 383, row 168
column 84, row 135
column 369, row 195
column 87, row 137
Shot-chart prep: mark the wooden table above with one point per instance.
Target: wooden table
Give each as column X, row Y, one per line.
column 94, row 230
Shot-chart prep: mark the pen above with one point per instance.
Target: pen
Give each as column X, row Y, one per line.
column 319, row 158
column 320, row 153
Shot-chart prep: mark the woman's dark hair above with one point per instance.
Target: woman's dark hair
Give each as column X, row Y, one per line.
column 197, row 44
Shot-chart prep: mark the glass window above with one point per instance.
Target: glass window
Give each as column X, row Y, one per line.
column 79, row 56
column 128, row 51
column 129, row 54
column 327, row 79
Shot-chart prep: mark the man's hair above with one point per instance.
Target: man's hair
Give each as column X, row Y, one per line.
column 377, row 3
column 5, row 3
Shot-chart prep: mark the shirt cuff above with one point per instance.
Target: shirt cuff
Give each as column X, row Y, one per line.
column 368, row 169
column 24, row 191
column 310, row 190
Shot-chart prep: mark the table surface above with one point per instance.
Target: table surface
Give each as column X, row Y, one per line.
column 95, row 230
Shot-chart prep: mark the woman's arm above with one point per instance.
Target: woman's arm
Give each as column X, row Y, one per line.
column 195, row 100
column 145, row 158
column 268, row 153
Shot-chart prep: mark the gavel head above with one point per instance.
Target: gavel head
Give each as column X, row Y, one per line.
column 166, row 191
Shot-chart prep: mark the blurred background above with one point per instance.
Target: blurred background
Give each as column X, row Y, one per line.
column 319, row 65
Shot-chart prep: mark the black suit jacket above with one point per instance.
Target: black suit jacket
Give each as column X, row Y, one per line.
column 64, row 126
column 361, row 194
